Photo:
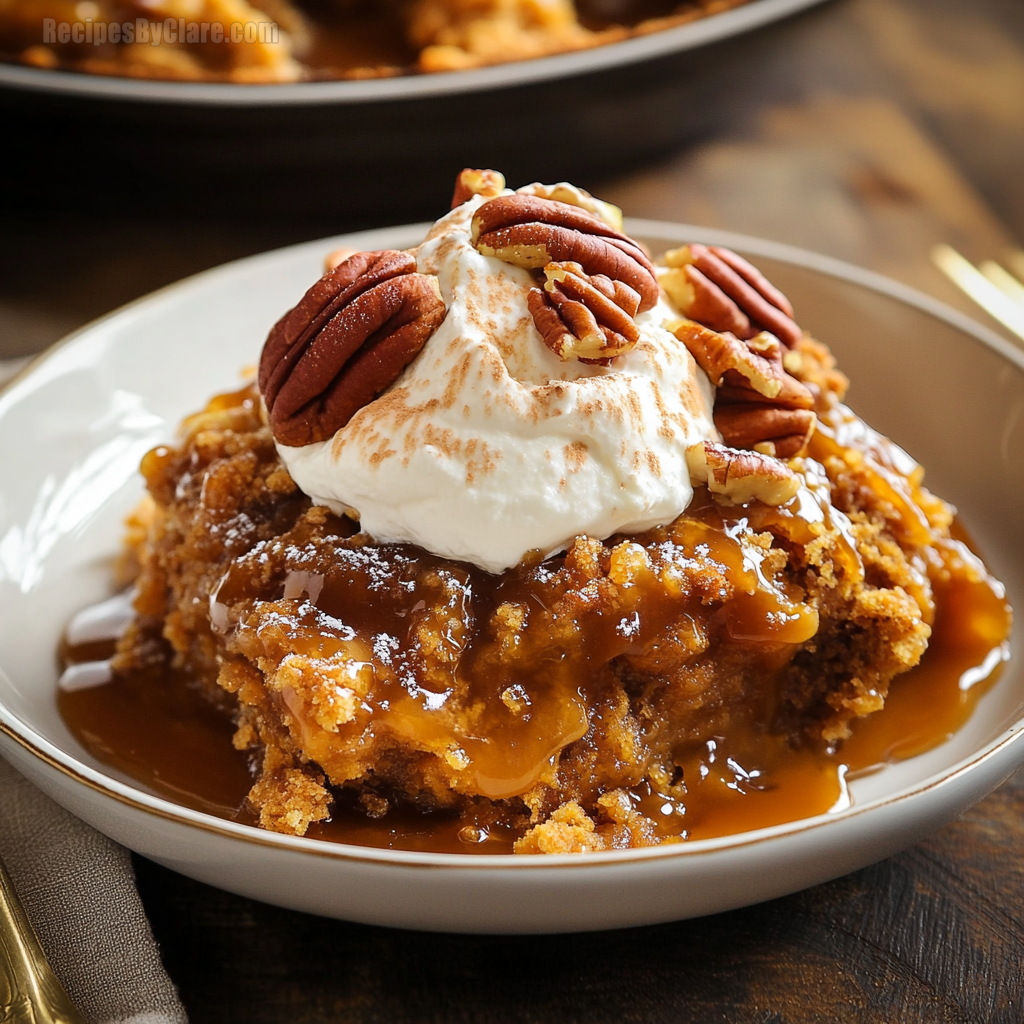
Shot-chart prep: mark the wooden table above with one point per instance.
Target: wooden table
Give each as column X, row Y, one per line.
column 874, row 129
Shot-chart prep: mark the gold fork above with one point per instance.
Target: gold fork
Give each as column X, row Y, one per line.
column 30, row 992
column 995, row 289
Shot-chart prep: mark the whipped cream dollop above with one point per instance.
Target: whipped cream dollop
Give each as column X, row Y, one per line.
column 489, row 446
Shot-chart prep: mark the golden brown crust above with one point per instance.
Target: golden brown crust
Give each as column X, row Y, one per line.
column 597, row 673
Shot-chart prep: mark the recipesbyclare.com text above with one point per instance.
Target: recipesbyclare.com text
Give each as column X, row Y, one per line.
column 169, row 30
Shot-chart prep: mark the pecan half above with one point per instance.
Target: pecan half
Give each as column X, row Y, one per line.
column 474, row 181
column 565, row 192
column 530, row 231
column 770, row 430
column 588, row 317
column 758, row 404
column 741, row 476
column 349, row 338
column 723, row 291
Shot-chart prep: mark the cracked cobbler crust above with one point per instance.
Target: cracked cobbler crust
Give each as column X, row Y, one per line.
column 545, row 698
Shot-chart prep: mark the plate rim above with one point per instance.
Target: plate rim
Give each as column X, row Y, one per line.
column 733, row 22
column 14, row 729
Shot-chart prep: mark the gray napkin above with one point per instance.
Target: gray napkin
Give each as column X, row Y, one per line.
column 78, row 889
column 9, row 367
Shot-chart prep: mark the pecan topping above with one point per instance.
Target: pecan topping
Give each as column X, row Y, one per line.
column 564, row 192
column 530, row 231
column 758, row 404
column 589, row 317
column 477, row 182
column 721, row 290
column 770, row 430
column 741, row 476
column 349, row 338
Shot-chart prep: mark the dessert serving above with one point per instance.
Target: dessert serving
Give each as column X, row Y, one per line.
column 285, row 41
column 524, row 540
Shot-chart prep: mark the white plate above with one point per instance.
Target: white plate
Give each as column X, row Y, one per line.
column 630, row 51
column 72, row 430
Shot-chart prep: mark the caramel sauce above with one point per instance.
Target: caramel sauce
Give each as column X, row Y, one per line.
column 154, row 728
column 923, row 709
column 448, row 671
column 506, row 751
column 930, row 703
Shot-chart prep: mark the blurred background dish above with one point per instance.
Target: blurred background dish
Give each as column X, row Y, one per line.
column 274, row 41
column 369, row 151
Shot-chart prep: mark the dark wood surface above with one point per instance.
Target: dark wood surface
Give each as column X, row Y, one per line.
column 934, row 935
column 869, row 129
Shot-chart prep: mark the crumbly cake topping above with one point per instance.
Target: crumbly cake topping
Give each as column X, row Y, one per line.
column 567, row 702
column 567, row 604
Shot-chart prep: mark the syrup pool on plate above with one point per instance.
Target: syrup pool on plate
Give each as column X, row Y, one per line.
column 154, row 727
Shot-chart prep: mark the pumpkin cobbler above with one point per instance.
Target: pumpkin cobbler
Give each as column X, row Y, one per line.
column 521, row 528
column 249, row 42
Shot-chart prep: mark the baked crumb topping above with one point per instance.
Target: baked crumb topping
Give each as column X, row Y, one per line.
column 562, row 700
column 647, row 623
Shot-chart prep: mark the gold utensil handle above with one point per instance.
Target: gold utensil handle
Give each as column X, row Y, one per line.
column 986, row 292
column 29, row 990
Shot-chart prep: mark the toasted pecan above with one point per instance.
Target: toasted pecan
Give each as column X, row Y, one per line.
column 349, row 338
column 758, row 403
column 741, row 476
column 721, row 290
column 589, row 317
column 529, row 231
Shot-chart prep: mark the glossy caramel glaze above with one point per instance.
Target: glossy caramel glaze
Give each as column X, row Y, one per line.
column 153, row 726
column 698, row 679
